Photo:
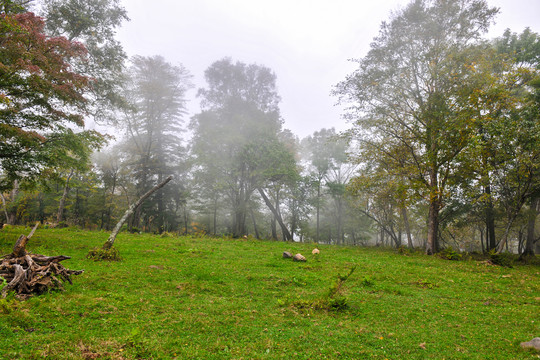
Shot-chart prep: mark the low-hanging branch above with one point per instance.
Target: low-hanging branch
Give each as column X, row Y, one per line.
column 110, row 242
column 32, row 274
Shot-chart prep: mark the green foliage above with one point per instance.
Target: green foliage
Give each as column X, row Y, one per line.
column 5, row 307
column 139, row 345
column 3, row 283
column 167, row 234
column 154, row 148
column 404, row 250
column 426, row 284
column 333, row 300
column 449, row 254
column 409, row 96
column 93, row 23
column 503, row 259
column 101, row 254
column 238, row 122
column 42, row 99
column 367, row 281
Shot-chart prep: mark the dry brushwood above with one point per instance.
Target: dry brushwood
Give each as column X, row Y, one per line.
column 32, row 274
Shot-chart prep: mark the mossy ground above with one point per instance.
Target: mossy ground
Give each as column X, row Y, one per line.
column 203, row 298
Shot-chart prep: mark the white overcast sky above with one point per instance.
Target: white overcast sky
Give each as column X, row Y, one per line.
column 307, row 43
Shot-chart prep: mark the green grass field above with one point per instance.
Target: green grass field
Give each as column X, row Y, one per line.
column 204, row 298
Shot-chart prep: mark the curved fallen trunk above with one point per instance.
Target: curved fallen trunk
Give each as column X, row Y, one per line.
column 32, row 274
column 110, row 241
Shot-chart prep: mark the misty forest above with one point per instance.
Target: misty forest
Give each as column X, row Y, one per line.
column 215, row 202
column 441, row 151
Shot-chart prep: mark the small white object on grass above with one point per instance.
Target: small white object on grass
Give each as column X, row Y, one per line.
column 299, row 257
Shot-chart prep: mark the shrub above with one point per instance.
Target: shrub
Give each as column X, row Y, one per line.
column 404, row 250
column 333, row 300
column 502, row 259
column 449, row 254
column 100, row 254
column 134, row 230
column 367, row 281
column 426, row 284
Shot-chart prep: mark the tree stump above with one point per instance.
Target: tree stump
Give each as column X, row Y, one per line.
column 32, row 274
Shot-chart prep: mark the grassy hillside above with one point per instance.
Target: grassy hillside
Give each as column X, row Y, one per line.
column 202, row 298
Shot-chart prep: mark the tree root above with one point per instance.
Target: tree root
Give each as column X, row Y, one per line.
column 33, row 274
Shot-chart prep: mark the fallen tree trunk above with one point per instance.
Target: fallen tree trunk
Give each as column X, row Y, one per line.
column 32, row 274
column 110, row 242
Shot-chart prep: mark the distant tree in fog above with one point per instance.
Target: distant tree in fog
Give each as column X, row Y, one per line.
column 153, row 145
column 232, row 136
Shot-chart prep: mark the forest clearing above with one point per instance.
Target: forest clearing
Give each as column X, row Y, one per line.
column 177, row 297
column 288, row 179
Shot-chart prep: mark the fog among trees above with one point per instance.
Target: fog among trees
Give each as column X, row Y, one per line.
column 442, row 151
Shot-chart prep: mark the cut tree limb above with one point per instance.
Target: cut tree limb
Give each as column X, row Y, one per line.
column 110, row 242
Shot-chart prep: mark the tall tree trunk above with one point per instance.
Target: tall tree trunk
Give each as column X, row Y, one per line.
column 520, row 242
column 12, row 219
column 405, row 217
column 4, row 205
column 273, row 228
column 432, row 245
column 254, row 224
column 110, row 242
column 186, row 220
column 161, row 208
column 340, row 236
column 239, row 221
column 318, row 210
column 491, row 242
column 214, row 232
column 533, row 213
column 294, row 217
column 286, row 233
column 504, row 241
column 482, row 239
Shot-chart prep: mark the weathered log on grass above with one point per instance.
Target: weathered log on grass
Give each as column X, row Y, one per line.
column 32, row 274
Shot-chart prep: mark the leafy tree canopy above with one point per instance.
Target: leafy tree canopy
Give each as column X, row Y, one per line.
column 41, row 98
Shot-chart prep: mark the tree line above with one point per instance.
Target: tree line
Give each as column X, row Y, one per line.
column 441, row 151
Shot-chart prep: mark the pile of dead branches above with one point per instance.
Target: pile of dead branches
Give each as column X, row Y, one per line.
column 32, row 274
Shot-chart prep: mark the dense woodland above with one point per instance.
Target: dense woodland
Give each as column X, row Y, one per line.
column 443, row 149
